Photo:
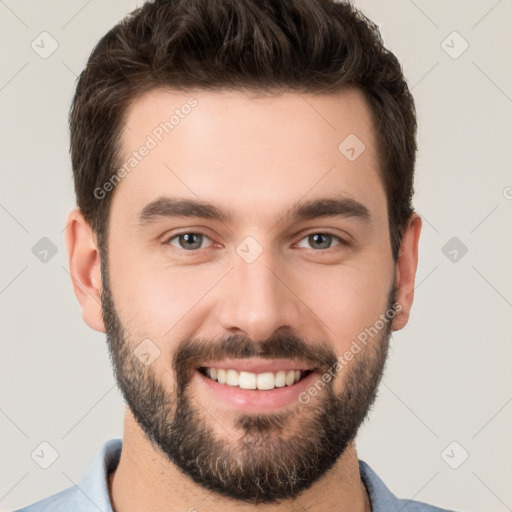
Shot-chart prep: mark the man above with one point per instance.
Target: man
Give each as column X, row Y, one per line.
column 245, row 237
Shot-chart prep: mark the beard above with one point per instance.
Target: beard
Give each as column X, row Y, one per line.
column 277, row 455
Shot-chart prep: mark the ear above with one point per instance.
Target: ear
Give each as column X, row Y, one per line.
column 406, row 270
column 85, row 268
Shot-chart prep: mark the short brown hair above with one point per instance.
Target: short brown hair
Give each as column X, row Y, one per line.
column 306, row 46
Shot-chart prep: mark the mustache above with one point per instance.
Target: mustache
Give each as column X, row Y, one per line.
column 192, row 352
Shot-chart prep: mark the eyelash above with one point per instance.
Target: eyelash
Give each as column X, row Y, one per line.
column 341, row 241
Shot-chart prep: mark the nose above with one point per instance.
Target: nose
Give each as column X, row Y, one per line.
column 259, row 298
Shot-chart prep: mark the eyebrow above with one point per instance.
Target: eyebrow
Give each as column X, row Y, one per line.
column 170, row 207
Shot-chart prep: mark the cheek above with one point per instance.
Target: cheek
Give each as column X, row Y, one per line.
column 345, row 300
column 160, row 302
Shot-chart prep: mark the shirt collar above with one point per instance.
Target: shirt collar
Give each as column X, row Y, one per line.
column 94, row 485
column 381, row 498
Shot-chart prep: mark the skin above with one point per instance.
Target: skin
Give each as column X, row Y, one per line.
column 242, row 152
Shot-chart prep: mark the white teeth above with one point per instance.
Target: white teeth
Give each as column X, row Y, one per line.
column 280, row 379
column 266, row 380
column 247, row 380
column 290, row 378
column 232, row 378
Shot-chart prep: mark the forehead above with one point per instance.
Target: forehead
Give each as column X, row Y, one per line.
column 286, row 119
column 247, row 150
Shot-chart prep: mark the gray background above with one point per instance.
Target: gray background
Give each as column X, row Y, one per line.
column 448, row 377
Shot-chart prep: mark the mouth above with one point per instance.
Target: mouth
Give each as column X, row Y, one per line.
column 255, row 385
column 264, row 381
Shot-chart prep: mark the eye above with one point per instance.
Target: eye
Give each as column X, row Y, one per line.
column 323, row 240
column 188, row 241
column 193, row 240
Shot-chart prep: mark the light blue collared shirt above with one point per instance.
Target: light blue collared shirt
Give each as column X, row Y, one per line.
column 91, row 493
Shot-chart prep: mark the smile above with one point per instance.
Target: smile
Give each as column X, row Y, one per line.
column 264, row 381
column 255, row 385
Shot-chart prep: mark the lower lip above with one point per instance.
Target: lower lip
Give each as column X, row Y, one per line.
column 255, row 400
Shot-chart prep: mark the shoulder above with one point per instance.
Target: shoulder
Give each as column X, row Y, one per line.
column 64, row 500
column 91, row 493
column 383, row 500
column 419, row 506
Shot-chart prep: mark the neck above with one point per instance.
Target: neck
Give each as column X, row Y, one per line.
column 145, row 480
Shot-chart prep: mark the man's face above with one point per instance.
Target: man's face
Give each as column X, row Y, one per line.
column 263, row 291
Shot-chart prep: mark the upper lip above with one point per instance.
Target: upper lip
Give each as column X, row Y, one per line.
column 257, row 365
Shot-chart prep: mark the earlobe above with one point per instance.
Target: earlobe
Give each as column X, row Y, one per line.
column 406, row 266
column 85, row 268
